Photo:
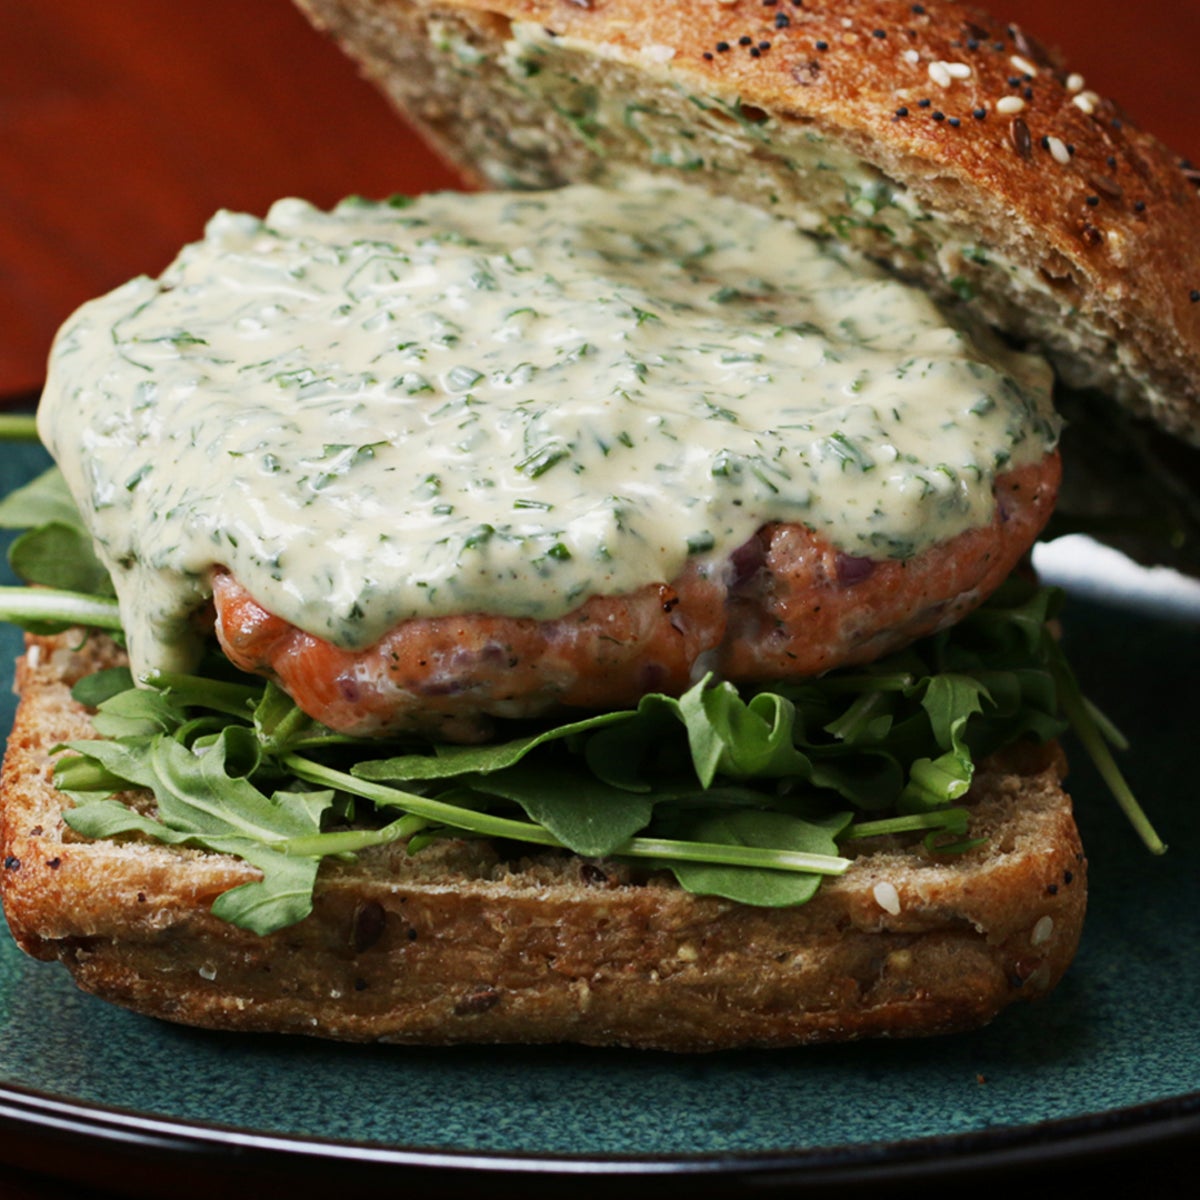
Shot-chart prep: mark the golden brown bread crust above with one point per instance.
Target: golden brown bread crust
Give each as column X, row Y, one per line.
column 1019, row 187
column 457, row 944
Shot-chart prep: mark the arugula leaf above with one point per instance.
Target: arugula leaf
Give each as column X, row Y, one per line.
column 869, row 719
column 197, row 789
column 197, row 794
column 56, row 550
column 940, row 820
column 110, row 818
column 18, row 427
column 1092, row 734
column 59, row 556
column 136, row 712
column 742, row 740
column 201, row 803
column 766, row 830
column 638, row 753
column 950, row 700
column 92, row 690
column 43, row 501
column 868, row 777
column 234, row 699
column 282, row 727
column 586, row 815
column 280, row 898
column 449, row 762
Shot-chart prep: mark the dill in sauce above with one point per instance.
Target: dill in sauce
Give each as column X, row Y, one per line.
column 508, row 402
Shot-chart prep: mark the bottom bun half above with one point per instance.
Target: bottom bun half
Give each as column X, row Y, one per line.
column 469, row 941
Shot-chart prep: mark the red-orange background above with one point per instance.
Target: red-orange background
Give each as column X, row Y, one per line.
column 124, row 126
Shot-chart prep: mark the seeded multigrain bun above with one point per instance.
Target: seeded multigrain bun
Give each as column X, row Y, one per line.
column 930, row 136
column 460, row 944
column 925, row 136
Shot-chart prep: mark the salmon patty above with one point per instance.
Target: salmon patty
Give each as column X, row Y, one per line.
column 788, row 605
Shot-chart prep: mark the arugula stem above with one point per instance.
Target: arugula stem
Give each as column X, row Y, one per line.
column 284, row 734
column 349, row 841
column 422, row 806
column 866, row 682
column 1111, row 734
column 490, row 825
column 75, row 773
column 232, row 699
column 913, row 822
column 319, row 741
column 1077, row 711
column 18, row 427
column 857, row 716
column 733, row 856
column 26, row 605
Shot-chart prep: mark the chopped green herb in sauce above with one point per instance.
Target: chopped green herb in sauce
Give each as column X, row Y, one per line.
column 260, row 407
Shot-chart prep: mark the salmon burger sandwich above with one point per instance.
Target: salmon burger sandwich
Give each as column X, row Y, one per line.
column 595, row 608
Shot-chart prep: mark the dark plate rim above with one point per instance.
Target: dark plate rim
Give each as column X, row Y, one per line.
column 44, row 1117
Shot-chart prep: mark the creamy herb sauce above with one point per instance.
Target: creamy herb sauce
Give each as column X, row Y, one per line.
column 509, row 402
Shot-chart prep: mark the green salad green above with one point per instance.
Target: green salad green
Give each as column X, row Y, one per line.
column 746, row 794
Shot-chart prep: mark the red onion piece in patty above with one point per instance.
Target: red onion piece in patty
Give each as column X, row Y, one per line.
column 852, row 569
column 747, row 560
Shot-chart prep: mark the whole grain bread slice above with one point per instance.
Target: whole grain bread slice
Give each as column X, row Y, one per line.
column 934, row 138
column 462, row 942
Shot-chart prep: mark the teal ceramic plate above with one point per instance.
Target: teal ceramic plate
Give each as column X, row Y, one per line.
column 1113, row 1058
